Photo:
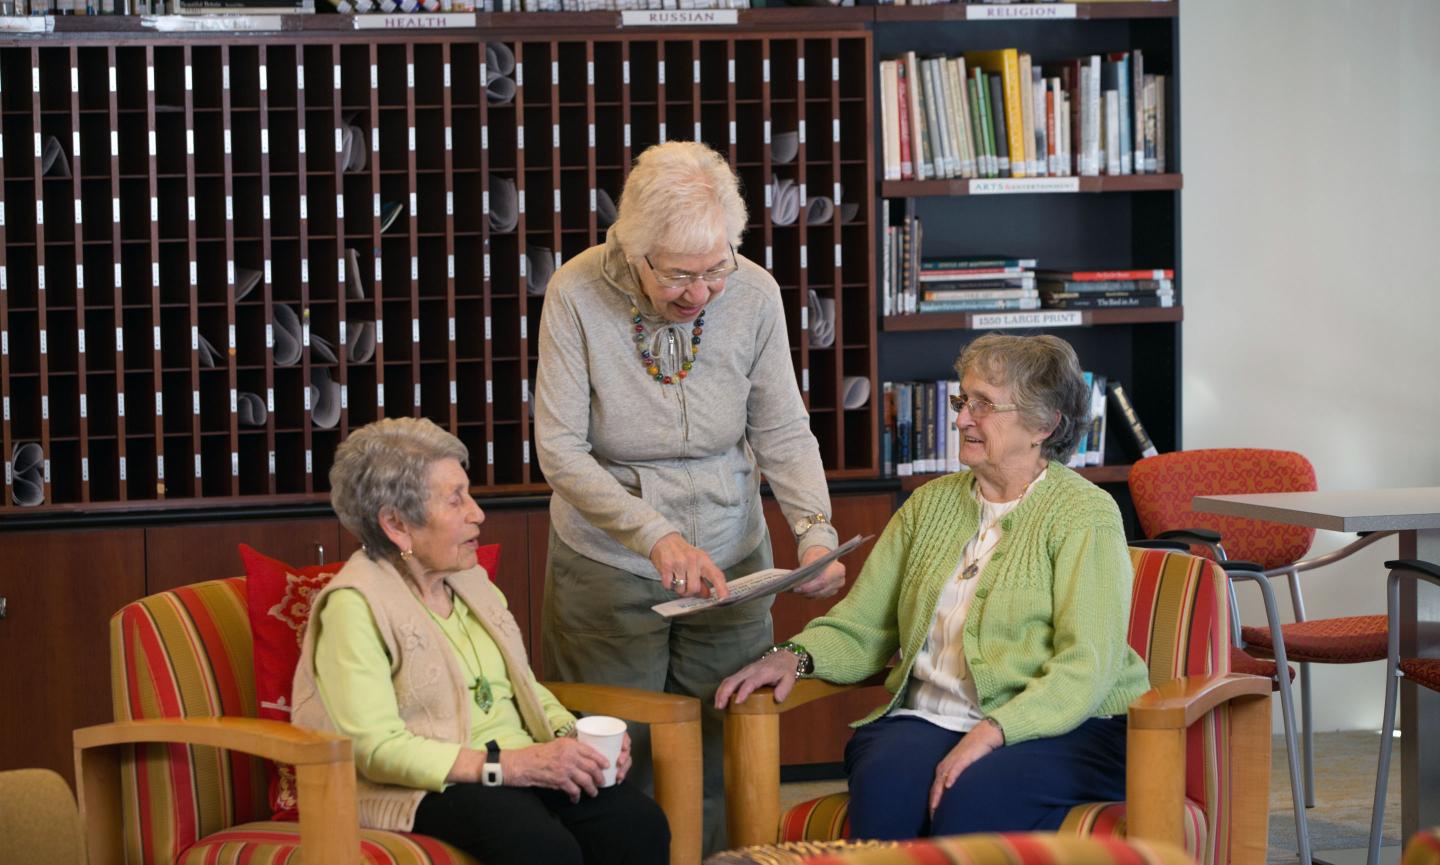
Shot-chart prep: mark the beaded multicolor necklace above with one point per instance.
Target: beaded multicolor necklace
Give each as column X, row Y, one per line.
column 647, row 358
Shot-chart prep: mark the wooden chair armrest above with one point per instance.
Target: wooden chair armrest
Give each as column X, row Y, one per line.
column 675, row 752
column 632, row 704
column 1155, row 762
column 273, row 740
column 324, row 777
column 1177, row 704
column 762, row 702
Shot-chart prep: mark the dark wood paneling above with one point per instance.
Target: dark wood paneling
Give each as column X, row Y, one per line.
column 179, row 555
column 817, row 733
column 507, row 528
column 60, row 589
column 538, row 525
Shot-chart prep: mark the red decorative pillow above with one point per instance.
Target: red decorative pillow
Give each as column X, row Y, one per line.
column 278, row 597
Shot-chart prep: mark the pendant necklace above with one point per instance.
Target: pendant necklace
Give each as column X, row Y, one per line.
column 484, row 694
column 973, row 568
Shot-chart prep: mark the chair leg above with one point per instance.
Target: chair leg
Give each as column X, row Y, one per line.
column 1382, row 772
column 1307, row 734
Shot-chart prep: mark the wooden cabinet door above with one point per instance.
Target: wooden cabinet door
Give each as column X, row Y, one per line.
column 60, row 589
column 817, row 733
column 191, row 553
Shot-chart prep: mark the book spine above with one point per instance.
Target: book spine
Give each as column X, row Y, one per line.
column 979, row 294
column 1159, row 124
column 1082, row 437
column 1018, row 304
column 1122, row 403
column 998, row 120
column 902, row 120
column 952, row 450
column 1107, row 275
column 903, row 421
column 1137, row 108
column 1102, row 302
column 1026, row 92
column 942, row 433
column 1149, row 124
column 1042, row 122
column 887, row 432
column 920, row 454
column 888, row 284
column 1123, row 88
column 889, row 119
column 969, row 166
column 1112, row 133
column 920, row 155
column 941, row 158
column 1095, row 453
column 982, row 154
column 976, row 265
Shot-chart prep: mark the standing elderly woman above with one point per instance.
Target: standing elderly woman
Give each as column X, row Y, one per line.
column 654, row 449
column 1006, row 591
column 412, row 654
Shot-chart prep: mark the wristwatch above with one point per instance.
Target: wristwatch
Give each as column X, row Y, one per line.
column 491, row 774
column 805, row 524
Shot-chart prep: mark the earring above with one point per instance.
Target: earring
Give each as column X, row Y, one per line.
column 406, row 554
column 1035, row 444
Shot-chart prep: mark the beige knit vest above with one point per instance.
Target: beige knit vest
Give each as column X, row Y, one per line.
column 429, row 684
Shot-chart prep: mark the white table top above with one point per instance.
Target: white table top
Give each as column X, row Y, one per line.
column 1342, row 511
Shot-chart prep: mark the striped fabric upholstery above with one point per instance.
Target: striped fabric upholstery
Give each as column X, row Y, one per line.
column 1423, row 849
column 1178, row 625
column 1008, row 849
column 187, row 654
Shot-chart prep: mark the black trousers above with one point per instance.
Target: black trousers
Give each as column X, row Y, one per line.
column 531, row 826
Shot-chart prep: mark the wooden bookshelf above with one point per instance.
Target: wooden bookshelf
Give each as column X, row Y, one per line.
column 226, row 157
column 957, row 186
column 1089, row 318
column 1082, row 11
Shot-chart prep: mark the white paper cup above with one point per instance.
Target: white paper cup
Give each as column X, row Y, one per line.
column 605, row 734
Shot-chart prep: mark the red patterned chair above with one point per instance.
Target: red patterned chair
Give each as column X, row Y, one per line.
column 180, row 777
column 1162, row 489
column 1198, row 754
column 1423, row 849
column 1035, row 848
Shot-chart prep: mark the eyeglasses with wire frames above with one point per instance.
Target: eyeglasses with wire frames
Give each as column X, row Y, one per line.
column 675, row 279
column 979, row 406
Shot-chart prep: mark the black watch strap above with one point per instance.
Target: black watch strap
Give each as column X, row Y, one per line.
column 492, row 751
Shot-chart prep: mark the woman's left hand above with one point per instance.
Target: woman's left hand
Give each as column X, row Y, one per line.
column 981, row 740
column 623, row 762
column 827, row 582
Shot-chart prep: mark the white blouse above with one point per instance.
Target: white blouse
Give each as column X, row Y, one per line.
column 941, row 690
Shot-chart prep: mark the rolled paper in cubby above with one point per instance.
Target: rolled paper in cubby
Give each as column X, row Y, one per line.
column 322, row 348
column 208, row 356
column 856, row 389
column 354, row 284
column 848, row 211
column 28, row 475
column 504, row 205
column 325, row 406
column 499, row 59
column 355, row 152
column 819, row 210
column 499, row 90
column 785, row 202
column 540, row 266
column 822, row 321
column 52, row 159
column 360, row 342
column 287, row 335
column 784, row 147
column 250, row 408
column 605, row 212
column 245, row 281
column 389, row 213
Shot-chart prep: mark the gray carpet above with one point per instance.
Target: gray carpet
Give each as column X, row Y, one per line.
column 1344, row 792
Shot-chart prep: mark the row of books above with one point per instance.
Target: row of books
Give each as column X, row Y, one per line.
column 920, row 437
column 984, row 114
column 1001, row 283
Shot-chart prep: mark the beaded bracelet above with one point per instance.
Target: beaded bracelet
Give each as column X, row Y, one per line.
column 805, row 666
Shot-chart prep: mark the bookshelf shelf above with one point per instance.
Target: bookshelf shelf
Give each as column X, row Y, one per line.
column 954, row 187
column 1083, row 11
column 1089, row 318
column 1117, row 474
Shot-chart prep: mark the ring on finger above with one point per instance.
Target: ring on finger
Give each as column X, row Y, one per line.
column 678, row 584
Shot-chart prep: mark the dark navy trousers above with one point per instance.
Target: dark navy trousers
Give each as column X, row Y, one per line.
column 1028, row 786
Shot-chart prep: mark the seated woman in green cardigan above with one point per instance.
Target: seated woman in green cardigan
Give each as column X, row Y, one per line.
column 1006, row 591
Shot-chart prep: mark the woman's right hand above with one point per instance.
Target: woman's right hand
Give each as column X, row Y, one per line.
column 685, row 570
column 563, row 764
column 775, row 670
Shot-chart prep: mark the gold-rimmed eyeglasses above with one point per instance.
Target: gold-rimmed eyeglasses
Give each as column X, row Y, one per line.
column 979, row 406
column 684, row 279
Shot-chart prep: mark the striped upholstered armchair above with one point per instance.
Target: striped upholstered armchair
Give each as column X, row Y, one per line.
column 179, row 778
column 1199, row 742
column 1022, row 848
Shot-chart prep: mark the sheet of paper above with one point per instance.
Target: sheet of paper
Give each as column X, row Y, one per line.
column 759, row 584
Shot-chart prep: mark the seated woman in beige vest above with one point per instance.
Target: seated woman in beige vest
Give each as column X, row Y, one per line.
column 412, row 654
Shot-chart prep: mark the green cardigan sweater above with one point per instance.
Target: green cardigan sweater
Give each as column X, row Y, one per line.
column 1045, row 636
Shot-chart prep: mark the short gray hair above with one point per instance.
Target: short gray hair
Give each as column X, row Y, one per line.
column 387, row 463
column 679, row 198
column 1045, row 381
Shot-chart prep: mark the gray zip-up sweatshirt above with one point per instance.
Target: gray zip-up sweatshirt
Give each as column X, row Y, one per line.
column 631, row 460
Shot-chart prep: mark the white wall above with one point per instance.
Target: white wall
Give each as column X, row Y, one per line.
column 1311, row 136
